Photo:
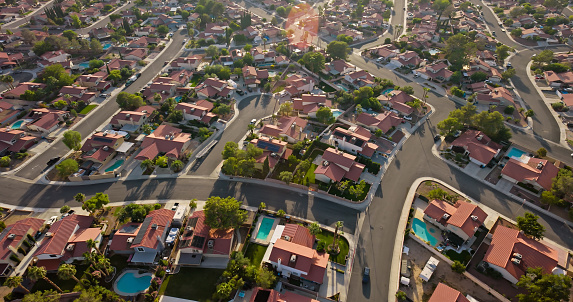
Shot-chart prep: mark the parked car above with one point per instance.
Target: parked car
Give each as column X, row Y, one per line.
column 539, row 77
column 52, row 220
column 52, row 161
column 253, row 121
column 103, row 95
column 509, row 66
column 240, row 92
column 437, row 138
column 408, row 118
column 366, row 275
column 174, row 207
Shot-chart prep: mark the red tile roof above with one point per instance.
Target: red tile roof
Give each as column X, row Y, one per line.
column 530, row 171
column 298, row 234
column 162, row 218
column 160, row 141
column 480, row 146
column 506, row 241
column 307, row 260
column 444, row 293
column 128, row 230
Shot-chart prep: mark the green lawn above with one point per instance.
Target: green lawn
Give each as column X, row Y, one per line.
column 87, row 109
column 328, row 237
column 255, row 253
column 463, row 257
column 65, row 285
column 192, row 283
column 309, row 178
column 195, row 80
column 326, row 88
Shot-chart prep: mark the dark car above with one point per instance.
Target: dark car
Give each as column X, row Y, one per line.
column 71, row 212
column 366, row 275
column 250, row 89
column 240, row 92
column 52, row 161
column 437, row 138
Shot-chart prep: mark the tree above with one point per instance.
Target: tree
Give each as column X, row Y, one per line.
column 95, row 46
column 15, row 281
column 324, row 115
column 28, row 36
column 338, row 226
column 76, row 23
column 440, row 6
column 95, row 203
column 458, row 267
column 458, row 49
column 60, row 104
column 530, row 226
column 456, row 91
column 5, row 161
column 45, row 296
column 502, row 52
column 285, row 109
column 67, row 167
column 64, row 209
column 516, row 32
column 478, row 76
column 248, row 59
column 314, row 61
column 8, row 79
column 508, row 74
column 265, row 278
column 248, row 47
column 96, row 64
column 136, row 212
column 529, row 113
column 338, row 50
column 408, row 89
column 115, row 77
column 543, row 287
column 162, row 30
column 401, row 296
column 72, row 140
column 36, row 273
column 212, row 51
column 378, row 133
column 286, row 176
column 281, row 11
column 449, row 126
column 128, row 101
column 224, row 213
column 358, row 189
column 542, row 152
column 549, row 199
column 266, row 167
column 230, row 150
column 67, row 272
column 543, row 57
column 80, row 197
column 314, row 228
column 177, row 165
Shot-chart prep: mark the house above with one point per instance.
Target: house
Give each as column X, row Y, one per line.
column 308, row 104
column 297, row 84
column 118, row 64
column 145, row 31
column 537, row 172
column 199, row 241
column 166, row 90
column 360, row 78
column 143, row 42
column 188, row 63
column 46, row 120
column 101, row 147
column 386, row 121
column 397, row 100
column 66, row 241
column 14, row 141
column 17, row 91
column 444, row 293
column 339, row 67
column 408, row 59
column 463, row 218
column 214, row 88
column 77, row 91
column 143, row 240
column 136, row 54
column 558, row 80
column 7, row 113
column 435, row 72
column 273, row 151
column 131, row 121
column 57, row 56
column 166, row 140
column 355, row 140
column 512, row 252
column 292, row 255
column 101, row 33
column 178, row 77
column 336, row 165
column 289, row 127
column 12, row 238
column 270, row 295
column 253, row 76
column 385, row 52
column 90, row 81
column 478, row 146
column 199, row 111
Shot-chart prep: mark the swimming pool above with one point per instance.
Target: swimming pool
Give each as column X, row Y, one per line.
column 516, row 153
column 178, row 99
column 388, row 90
column 106, row 46
column 421, row 230
column 434, row 51
column 84, row 65
column 342, row 87
column 131, row 283
column 265, row 228
column 336, row 112
column 17, row 124
column 115, row 165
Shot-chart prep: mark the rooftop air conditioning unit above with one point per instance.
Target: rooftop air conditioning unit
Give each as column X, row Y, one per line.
column 446, row 216
column 154, row 226
column 287, row 238
column 11, row 236
column 515, row 261
column 540, row 166
column 70, row 247
column 325, row 163
column 517, row 256
column 474, row 218
column 293, row 258
column 49, row 234
column 130, row 240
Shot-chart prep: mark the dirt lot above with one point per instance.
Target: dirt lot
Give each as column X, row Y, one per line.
column 16, row 216
column 428, row 186
column 420, row 291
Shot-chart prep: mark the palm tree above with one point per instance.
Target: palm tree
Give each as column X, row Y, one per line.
column 426, row 90
column 91, row 257
column 80, row 197
column 92, row 244
column 8, row 79
column 15, row 281
column 339, row 225
column 103, row 264
column 251, row 128
column 67, row 272
column 36, row 273
column 147, row 164
column 314, row 228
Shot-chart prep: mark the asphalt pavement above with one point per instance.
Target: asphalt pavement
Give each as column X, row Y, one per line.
column 104, row 111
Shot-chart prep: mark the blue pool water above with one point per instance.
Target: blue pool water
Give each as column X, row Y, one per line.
column 387, row 90
column 342, row 87
column 84, row 65
column 130, row 284
column 115, row 165
column 106, row 46
column 17, row 124
column 433, row 51
column 265, row 228
column 178, row 99
column 514, row 152
column 336, row 113
column 421, row 230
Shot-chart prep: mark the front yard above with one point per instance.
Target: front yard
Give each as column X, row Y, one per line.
column 197, row 284
column 328, row 238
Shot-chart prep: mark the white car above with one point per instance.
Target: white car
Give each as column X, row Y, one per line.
column 395, row 111
column 52, row 220
column 253, row 121
column 408, row 118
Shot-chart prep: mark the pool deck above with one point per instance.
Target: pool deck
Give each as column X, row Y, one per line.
column 137, row 275
column 419, row 206
column 271, row 232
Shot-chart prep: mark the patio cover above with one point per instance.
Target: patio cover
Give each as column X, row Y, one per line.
column 278, row 233
column 143, row 257
column 130, row 128
column 125, row 147
column 189, row 258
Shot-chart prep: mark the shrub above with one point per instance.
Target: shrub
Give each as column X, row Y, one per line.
column 21, row 155
column 458, row 267
column 509, row 110
column 14, row 258
column 5, row 161
column 22, row 251
column 559, row 107
column 320, row 246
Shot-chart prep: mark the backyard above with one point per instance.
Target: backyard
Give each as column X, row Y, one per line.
column 195, row 80
column 65, row 285
column 191, row 283
column 326, row 88
column 328, row 238
column 255, row 253
column 464, row 257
